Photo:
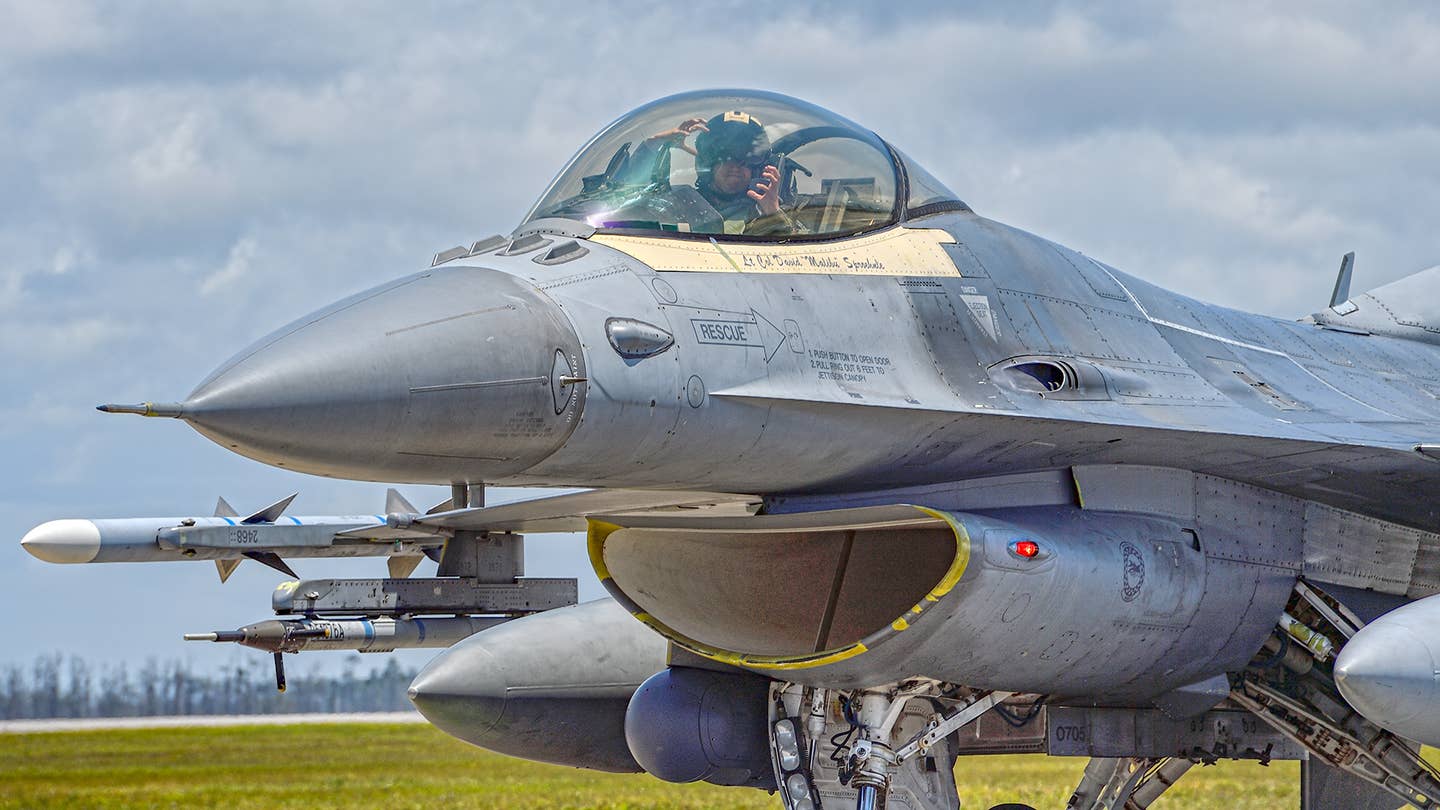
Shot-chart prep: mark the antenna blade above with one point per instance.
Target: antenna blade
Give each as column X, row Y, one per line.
column 1342, row 281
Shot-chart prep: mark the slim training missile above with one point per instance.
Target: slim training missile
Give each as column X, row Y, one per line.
column 363, row 635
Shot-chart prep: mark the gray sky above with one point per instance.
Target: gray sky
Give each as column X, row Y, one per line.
column 177, row 181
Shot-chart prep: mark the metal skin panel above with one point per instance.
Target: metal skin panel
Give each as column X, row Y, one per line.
column 1253, row 526
column 1349, row 549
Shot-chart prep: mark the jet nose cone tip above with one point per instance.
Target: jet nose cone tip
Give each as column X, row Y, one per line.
column 63, row 541
column 170, row 410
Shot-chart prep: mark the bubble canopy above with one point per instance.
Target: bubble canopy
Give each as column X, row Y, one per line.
column 749, row 165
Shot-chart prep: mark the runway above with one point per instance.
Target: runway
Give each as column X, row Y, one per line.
column 204, row 720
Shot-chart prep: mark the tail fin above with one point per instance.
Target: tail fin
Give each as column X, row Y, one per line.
column 1408, row 308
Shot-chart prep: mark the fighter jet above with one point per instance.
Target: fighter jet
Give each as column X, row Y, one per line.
column 874, row 482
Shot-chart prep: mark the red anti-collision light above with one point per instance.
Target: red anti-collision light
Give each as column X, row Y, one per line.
column 1025, row 548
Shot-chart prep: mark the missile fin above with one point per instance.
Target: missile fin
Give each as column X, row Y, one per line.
column 227, row 567
column 271, row 513
column 443, row 506
column 271, row 559
column 224, row 509
column 403, row 565
column 395, row 503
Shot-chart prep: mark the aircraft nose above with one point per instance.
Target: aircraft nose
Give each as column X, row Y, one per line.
column 455, row 374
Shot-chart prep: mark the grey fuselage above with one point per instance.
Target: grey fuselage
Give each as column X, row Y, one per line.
column 809, row 382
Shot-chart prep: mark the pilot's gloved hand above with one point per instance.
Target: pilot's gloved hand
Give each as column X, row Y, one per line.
column 688, row 127
column 766, row 192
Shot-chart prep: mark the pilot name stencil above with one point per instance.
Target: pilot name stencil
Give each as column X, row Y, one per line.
column 807, row 261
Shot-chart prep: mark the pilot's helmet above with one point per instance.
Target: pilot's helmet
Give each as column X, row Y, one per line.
column 732, row 136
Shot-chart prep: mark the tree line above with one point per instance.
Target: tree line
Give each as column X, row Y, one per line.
column 69, row 686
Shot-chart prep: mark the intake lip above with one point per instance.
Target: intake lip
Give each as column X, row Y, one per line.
column 722, row 591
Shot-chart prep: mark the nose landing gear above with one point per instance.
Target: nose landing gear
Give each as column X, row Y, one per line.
column 887, row 748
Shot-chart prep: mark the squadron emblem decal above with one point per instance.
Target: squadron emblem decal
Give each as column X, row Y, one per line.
column 1134, row 576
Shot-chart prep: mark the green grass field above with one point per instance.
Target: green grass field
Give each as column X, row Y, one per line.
column 400, row 767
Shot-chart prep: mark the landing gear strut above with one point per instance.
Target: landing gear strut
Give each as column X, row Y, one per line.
column 1126, row 784
column 873, row 749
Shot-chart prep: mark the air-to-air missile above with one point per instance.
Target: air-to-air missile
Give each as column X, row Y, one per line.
column 1390, row 670
column 267, row 536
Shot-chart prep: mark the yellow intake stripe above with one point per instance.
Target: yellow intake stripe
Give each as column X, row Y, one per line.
column 893, row 252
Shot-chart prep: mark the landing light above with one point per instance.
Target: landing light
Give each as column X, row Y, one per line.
column 799, row 789
column 787, row 745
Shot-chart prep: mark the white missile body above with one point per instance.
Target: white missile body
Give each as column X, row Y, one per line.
column 212, row 538
column 1390, row 671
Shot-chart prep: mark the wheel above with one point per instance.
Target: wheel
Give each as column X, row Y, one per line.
column 1012, row 806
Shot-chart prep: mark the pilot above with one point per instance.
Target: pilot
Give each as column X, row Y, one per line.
column 735, row 172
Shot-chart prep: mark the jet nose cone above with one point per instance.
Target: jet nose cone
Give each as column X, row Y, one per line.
column 1387, row 674
column 442, row 376
column 63, row 541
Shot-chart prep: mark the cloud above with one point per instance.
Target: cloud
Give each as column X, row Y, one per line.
column 36, row 31
column 237, row 266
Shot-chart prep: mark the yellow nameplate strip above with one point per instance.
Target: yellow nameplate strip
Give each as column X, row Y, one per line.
column 896, row 252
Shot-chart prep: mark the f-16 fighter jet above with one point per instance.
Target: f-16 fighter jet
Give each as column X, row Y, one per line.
column 874, row 482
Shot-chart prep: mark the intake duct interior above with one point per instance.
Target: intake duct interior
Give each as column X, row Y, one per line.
column 779, row 587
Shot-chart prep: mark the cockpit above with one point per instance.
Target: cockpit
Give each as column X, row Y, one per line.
column 748, row 165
